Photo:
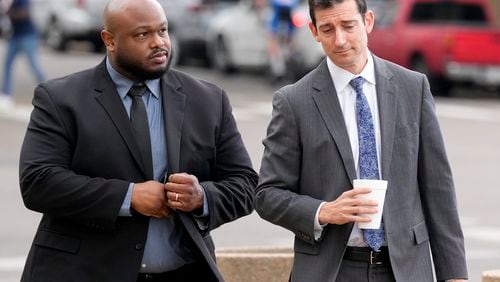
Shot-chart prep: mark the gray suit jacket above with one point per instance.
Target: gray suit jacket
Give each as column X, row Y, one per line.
column 308, row 160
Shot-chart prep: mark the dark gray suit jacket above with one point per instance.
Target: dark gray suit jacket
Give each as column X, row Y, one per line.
column 79, row 156
column 308, row 159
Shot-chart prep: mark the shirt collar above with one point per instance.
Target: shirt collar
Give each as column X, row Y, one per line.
column 341, row 77
column 123, row 84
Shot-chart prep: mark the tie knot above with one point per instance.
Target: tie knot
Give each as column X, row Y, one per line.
column 357, row 84
column 137, row 90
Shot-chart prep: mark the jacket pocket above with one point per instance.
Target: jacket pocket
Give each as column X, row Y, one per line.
column 52, row 240
column 420, row 232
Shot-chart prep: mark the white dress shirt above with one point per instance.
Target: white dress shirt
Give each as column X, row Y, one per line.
column 347, row 99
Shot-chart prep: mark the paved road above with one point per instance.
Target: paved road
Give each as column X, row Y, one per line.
column 471, row 126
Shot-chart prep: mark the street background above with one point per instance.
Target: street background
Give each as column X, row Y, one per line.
column 470, row 121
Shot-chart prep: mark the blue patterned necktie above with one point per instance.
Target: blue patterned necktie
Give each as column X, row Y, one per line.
column 367, row 162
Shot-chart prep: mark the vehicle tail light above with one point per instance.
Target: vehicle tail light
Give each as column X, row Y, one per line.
column 196, row 8
column 448, row 42
column 80, row 4
column 299, row 19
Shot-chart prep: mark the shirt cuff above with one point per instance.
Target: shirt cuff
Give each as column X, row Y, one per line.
column 125, row 208
column 318, row 228
column 202, row 219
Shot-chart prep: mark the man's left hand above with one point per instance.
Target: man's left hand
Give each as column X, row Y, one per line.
column 184, row 193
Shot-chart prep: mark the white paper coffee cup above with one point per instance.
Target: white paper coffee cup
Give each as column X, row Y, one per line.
column 379, row 187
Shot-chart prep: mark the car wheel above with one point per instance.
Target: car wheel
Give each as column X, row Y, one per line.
column 440, row 86
column 97, row 45
column 55, row 37
column 174, row 45
column 221, row 56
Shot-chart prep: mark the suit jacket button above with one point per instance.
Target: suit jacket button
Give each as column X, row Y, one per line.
column 138, row 246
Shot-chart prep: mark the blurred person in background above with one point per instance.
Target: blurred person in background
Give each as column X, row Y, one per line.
column 4, row 19
column 24, row 38
column 359, row 116
column 281, row 29
column 132, row 163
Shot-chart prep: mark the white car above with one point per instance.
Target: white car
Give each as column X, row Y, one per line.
column 63, row 20
column 238, row 38
column 187, row 24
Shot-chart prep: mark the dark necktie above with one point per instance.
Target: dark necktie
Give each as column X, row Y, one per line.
column 140, row 126
column 367, row 162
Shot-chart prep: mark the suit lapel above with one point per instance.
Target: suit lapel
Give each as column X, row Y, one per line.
column 386, row 90
column 327, row 102
column 109, row 99
column 187, row 220
column 174, row 102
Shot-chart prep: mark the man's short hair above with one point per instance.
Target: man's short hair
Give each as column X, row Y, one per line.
column 323, row 4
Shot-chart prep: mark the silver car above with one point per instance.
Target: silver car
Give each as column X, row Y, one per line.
column 188, row 21
column 61, row 21
column 237, row 38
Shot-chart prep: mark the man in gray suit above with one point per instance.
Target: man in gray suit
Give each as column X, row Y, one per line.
column 354, row 109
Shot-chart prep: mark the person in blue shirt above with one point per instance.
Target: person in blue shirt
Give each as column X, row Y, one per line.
column 24, row 38
column 281, row 17
column 132, row 163
column 281, row 28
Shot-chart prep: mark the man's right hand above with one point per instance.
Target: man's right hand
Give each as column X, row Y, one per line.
column 149, row 199
column 346, row 207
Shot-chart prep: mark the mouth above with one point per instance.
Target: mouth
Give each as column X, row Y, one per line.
column 342, row 52
column 159, row 57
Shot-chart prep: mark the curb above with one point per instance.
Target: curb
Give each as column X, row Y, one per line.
column 255, row 264
column 491, row 276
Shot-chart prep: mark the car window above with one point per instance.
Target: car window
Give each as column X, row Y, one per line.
column 448, row 12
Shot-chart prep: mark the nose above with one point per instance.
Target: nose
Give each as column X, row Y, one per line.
column 340, row 38
column 159, row 40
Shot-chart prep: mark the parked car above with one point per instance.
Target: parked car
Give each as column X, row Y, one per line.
column 188, row 21
column 237, row 38
column 61, row 21
column 449, row 40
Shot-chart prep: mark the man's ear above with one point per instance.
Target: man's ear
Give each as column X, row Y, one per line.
column 108, row 39
column 314, row 31
column 369, row 21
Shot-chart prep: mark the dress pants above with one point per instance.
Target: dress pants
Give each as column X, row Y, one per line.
column 356, row 271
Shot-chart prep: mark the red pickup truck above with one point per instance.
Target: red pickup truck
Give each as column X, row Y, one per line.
column 449, row 40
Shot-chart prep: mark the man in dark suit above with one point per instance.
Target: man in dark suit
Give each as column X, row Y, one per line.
column 98, row 177
column 359, row 116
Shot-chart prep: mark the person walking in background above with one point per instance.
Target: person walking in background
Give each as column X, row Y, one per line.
column 281, row 29
column 24, row 38
column 132, row 164
column 359, row 116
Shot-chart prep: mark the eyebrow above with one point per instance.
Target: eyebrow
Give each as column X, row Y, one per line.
column 162, row 24
column 349, row 21
column 343, row 22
